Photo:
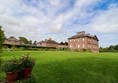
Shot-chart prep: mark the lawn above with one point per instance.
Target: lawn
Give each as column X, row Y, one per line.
column 71, row 67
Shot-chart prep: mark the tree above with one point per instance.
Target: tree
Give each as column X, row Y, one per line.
column 30, row 41
column 111, row 48
column 2, row 38
column 61, row 43
column 66, row 43
column 35, row 42
column 116, row 47
column 25, row 40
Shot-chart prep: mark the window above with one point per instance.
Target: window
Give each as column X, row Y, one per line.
column 88, row 46
column 83, row 39
column 78, row 46
column 70, row 46
column 83, row 45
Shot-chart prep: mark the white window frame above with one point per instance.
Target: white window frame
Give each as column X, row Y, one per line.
column 83, row 39
column 70, row 46
column 83, row 46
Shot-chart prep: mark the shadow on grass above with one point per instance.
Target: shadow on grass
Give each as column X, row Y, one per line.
column 82, row 70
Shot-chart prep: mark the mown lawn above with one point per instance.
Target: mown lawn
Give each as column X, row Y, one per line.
column 71, row 67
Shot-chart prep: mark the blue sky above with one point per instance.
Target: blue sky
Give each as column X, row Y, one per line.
column 60, row 19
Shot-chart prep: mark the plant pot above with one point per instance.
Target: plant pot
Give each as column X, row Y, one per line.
column 20, row 75
column 27, row 72
column 11, row 77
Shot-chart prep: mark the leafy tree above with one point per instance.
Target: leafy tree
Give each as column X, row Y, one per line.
column 112, row 48
column 61, row 43
column 35, row 42
column 25, row 40
column 116, row 47
column 30, row 41
column 66, row 43
column 2, row 38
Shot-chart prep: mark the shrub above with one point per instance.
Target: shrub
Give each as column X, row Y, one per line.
column 30, row 79
column 11, row 65
column 26, row 62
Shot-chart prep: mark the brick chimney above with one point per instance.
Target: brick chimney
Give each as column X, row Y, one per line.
column 50, row 38
column 81, row 33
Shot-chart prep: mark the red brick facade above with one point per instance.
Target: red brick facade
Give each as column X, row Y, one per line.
column 84, row 41
column 48, row 43
column 13, row 41
column 51, row 43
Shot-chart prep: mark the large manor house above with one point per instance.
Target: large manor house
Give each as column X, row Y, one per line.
column 80, row 41
column 84, row 41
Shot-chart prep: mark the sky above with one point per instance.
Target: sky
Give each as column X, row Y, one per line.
column 60, row 19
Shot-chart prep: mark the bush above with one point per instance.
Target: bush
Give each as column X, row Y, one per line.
column 26, row 62
column 63, row 49
column 30, row 79
column 11, row 65
column 82, row 50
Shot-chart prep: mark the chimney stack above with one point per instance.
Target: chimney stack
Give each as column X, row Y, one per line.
column 81, row 33
column 50, row 38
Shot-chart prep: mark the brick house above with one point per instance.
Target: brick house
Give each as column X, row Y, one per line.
column 13, row 41
column 84, row 41
column 63, row 45
column 48, row 43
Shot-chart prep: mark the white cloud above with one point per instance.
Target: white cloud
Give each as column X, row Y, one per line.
column 106, row 21
column 39, row 19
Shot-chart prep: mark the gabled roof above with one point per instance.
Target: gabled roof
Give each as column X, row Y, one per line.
column 49, row 41
column 13, row 38
column 83, row 36
column 96, row 38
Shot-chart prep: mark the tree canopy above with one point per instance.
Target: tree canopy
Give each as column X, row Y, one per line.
column 112, row 48
column 2, row 38
column 25, row 40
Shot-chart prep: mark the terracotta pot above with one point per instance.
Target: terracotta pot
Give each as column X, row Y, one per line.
column 20, row 75
column 27, row 72
column 11, row 77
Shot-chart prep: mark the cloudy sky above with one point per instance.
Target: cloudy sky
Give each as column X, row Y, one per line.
column 60, row 19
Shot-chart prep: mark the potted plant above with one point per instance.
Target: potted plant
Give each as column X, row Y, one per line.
column 27, row 64
column 11, row 67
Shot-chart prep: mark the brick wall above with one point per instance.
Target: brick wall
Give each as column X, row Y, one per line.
column 83, row 41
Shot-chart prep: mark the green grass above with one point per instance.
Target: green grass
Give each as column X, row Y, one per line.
column 71, row 67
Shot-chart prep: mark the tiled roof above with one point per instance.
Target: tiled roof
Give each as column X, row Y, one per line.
column 12, row 38
column 83, row 36
column 49, row 41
